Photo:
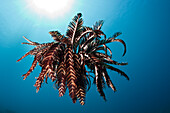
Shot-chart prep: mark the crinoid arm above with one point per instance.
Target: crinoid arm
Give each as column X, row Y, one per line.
column 30, row 42
column 61, row 79
column 36, row 59
column 99, row 82
column 71, row 61
column 28, row 53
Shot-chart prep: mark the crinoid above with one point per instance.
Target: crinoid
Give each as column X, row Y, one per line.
column 72, row 60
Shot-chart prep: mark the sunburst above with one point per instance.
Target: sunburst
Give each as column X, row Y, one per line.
column 50, row 8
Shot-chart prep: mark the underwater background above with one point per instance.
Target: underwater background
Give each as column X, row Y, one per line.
column 145, row 25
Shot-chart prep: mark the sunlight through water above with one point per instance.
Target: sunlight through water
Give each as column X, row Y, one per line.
column 50, row 8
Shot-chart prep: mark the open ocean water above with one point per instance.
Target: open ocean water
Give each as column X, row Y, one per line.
column 145, row 25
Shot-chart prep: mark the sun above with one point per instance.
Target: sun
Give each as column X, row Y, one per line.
column 50, row 8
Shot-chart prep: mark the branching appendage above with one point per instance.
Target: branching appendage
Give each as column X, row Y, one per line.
column 72, row 60
column 61, row 78
column 70, row 74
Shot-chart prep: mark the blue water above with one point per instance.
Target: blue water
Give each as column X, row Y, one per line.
column 145, row 25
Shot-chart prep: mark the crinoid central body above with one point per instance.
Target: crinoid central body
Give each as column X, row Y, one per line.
column 66, row 59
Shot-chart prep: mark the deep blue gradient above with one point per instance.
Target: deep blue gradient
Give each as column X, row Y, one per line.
column 145, row 25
